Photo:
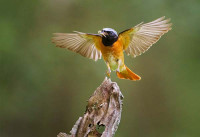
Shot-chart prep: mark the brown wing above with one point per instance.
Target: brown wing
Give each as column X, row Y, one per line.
column 140, row 38
column 82, row 43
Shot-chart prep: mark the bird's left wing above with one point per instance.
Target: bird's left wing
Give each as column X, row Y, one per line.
column 83, row 43
column 140, row 38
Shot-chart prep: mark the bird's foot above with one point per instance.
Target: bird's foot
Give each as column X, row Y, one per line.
column 108, row 73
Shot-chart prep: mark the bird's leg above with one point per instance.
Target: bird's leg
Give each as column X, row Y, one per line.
column 119, row 65
column 109, row 70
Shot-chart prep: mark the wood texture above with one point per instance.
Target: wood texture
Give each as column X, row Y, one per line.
column 103, row 113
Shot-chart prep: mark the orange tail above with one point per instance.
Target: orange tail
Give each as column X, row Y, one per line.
column 128, row 74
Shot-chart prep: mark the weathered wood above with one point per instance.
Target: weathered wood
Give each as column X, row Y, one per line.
column 103, row 111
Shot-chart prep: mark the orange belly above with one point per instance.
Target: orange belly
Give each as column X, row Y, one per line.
column 112, row 54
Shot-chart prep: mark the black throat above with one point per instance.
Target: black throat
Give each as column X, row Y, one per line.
column 109, row 40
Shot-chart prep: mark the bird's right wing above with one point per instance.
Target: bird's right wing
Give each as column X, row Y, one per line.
column 83, row 43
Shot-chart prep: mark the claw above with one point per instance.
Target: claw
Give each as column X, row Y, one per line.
column 109, row 70
column 108, row 73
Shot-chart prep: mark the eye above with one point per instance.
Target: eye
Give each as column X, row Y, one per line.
column 110, row 32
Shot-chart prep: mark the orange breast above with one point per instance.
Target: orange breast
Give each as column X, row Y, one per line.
column 116, row 51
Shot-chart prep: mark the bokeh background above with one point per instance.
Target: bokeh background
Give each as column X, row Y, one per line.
column 43, row 89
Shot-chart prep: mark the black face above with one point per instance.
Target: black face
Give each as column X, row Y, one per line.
column 109, row 38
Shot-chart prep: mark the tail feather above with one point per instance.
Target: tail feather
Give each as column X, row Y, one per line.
column 128, row 74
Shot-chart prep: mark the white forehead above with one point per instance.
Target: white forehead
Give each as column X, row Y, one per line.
column 109, row 29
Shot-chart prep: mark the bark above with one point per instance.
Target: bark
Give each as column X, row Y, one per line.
column 102, row 115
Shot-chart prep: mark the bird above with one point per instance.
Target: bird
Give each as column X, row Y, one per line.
column 112, row 45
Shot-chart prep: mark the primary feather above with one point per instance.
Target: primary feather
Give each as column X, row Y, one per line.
column 79, row 42
column 140, row 38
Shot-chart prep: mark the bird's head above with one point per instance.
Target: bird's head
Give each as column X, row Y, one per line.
column 109, row 36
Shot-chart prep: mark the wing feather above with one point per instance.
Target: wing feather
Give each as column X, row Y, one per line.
column 83, row 43
column 140, row 38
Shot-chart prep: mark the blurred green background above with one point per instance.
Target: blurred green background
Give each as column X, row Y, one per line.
column 43, row 89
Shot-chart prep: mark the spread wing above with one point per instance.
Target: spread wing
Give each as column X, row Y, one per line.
column 140, row 38
column 82, row 43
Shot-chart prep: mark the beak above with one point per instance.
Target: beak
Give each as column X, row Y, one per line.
column 102, row 33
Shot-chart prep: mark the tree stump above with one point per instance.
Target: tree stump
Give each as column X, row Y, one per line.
column 102, row 115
